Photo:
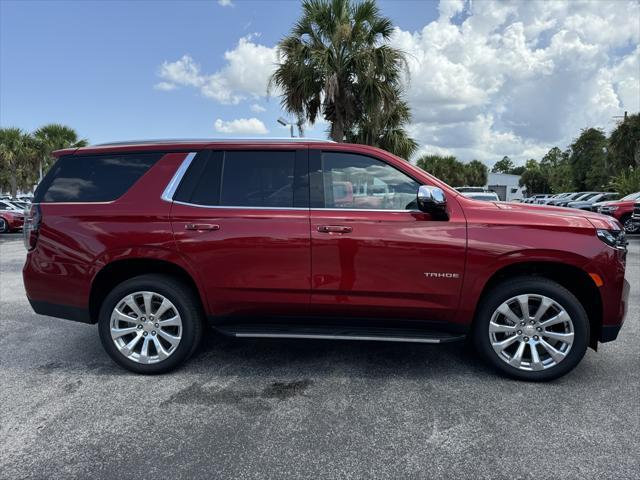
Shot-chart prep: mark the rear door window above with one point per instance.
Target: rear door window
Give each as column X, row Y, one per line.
column 93, row 178
column 255, row 178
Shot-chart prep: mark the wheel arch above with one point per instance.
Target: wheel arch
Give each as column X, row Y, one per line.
column 573, row 278
column 118, row 271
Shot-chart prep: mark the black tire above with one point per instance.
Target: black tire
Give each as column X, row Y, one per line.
column 4, row 226
column 185, row 301
column 535, row 286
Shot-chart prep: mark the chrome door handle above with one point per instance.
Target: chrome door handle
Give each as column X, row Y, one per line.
column 202, row 226
column 334, row 229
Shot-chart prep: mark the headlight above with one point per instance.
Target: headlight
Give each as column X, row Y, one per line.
column 608, row 209
column 613, row 238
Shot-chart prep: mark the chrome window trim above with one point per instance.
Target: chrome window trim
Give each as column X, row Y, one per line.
column 229, row 207
column 224, row 207
column 378, row 210
column 172, row 186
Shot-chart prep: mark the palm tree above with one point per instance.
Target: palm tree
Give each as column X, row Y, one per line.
column 16, row 157
column 53, row 137
column 475, row 173
column 384, row 128
column 336, row 62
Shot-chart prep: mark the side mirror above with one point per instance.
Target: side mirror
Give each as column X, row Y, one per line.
column 432, row 200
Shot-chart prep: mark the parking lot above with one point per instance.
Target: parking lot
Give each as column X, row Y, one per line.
column 305, row 409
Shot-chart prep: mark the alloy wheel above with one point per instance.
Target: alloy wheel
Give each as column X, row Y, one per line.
column 630, row 226
column 3, row 226
column 531, row 332
column 146, row 327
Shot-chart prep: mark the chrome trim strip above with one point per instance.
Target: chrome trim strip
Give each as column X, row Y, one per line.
column 170, row 190
column 337, row 337
column 363, row 210
column 223, row 207
column 228, row 207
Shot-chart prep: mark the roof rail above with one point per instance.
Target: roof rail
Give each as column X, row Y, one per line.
column 214, row 140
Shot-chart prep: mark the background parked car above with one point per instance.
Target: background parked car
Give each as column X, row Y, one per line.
column 621, row 210
column 600, row 197
column 11, row 217
column 557, row 196
column 484, row 195
column 536, row 198
column 581, row 196
column 554, row 202
column 470, row 189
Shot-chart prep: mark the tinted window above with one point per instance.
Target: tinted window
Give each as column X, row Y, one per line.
column 360, row 182
column 248, row 179
column 99, row 178
column 6, row 206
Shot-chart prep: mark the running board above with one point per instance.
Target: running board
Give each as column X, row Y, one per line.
column 340, row 333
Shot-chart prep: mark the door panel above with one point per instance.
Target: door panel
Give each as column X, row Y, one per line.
column 374, row 255
column 242, row 219
column 254, row 262
column 391, row 264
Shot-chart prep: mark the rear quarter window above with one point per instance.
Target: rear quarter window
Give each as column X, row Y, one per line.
column 93, row 178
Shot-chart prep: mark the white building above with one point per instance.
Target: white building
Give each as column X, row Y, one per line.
column 505, row 185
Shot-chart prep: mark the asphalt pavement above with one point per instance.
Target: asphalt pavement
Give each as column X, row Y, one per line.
column 287, row 409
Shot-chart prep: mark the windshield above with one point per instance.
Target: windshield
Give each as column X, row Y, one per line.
column 4, row 205
column 631, row 196
column 587, row 196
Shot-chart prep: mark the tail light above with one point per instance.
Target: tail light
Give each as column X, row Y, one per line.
column 31, row 227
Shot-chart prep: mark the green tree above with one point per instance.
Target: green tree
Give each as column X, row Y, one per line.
column 503, row 166
column 337, row 62
column 588, row 160
column 384, row 129
column 627, row 181
column 447, row 169
column 54, row 137
column 17, row 156
column 475, row 173
column 555, row 166
column 534, row 178
column 624, row 143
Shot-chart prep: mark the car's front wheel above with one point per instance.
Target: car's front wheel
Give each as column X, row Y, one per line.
column 531, row 328
column 150, row 324
column 629, row 225
column 4, row 226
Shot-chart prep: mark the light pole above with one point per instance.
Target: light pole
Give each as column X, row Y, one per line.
column 283, row 121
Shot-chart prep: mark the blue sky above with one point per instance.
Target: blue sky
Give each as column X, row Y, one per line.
column 93, row 64
column 487, row 78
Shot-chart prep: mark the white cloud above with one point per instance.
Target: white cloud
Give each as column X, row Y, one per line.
column 241, row 126
column 487, row 79
column 166, row 86
column 225, row 3
column 245, row 74
column 516, row 79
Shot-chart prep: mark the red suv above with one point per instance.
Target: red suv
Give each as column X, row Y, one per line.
column 621, row 210
column 306, row 239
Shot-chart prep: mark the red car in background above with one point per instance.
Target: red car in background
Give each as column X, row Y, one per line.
column 621, row 210
column 11, row 218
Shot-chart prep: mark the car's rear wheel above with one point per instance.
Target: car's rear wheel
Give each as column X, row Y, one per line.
column 531, row 328
column 150, row 324
column 4, row 226
column 629, row 225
